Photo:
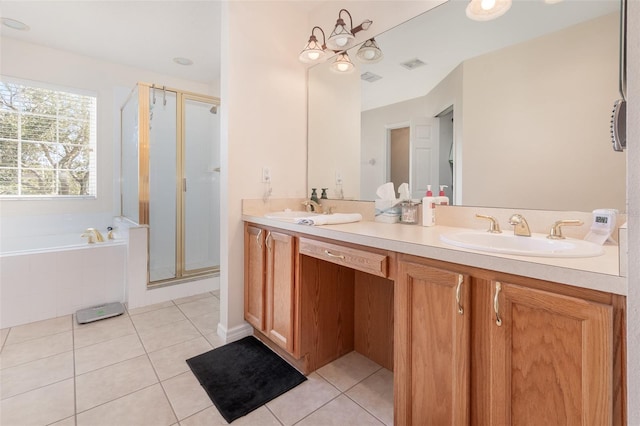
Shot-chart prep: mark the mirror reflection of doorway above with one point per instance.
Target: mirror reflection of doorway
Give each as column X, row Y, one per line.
column 399, row 156
column 446, row 152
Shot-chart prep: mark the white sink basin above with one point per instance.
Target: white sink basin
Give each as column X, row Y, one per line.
column 536, row 245
column 289, row 215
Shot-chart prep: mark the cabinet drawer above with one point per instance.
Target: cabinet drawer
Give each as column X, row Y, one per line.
column 372, row 263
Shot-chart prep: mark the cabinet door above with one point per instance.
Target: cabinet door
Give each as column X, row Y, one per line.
column 432, row 335
column 254, row 276
column 280, row 289
column 551, row 358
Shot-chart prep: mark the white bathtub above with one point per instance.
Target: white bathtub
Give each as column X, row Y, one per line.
column 49, row 276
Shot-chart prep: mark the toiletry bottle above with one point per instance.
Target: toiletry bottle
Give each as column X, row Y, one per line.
column 314, row 195
column 442, row 199
column 429, row 208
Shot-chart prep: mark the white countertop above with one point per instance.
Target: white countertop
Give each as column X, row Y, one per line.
column 597, row 273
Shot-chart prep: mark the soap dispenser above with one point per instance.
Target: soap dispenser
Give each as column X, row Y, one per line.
column 442, row 199
column 429, row 208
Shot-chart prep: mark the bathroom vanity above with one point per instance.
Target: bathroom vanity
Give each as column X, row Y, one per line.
column 472, row 338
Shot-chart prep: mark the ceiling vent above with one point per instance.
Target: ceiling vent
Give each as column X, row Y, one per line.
column 370, row 77
column 413, row 64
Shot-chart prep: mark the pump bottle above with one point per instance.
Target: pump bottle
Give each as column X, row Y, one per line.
column 429, row 208
column 442, row 199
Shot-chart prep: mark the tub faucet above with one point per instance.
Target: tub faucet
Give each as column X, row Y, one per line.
column 93, row 235
column 521, row 227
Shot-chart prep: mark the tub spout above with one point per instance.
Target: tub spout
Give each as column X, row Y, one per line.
column 93, row 235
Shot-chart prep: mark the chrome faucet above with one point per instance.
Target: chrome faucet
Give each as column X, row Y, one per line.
column 93, row 235
column 312, row 206
column 556, row 230
column 521, row 227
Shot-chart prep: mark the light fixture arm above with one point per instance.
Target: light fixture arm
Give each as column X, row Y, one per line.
column 324, row 39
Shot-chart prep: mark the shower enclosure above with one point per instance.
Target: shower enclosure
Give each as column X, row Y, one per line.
column 170, row 179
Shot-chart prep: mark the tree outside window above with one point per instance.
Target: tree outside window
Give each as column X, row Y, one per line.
column 47, row 142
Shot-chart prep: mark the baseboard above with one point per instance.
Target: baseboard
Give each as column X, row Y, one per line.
column 234, row 333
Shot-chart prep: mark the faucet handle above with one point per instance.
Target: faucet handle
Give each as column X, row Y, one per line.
column 555, row 233
column 89, row 235
column 494, row 226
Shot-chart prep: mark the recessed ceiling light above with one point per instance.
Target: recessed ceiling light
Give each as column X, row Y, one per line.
column 16, row 25
column 183, row 61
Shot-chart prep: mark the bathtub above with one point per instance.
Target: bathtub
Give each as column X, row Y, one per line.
column 47, row 276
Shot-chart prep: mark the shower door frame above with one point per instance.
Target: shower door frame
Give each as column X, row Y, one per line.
column 144, row 91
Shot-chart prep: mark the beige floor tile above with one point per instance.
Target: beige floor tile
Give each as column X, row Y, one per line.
column 215, row 340
column 38, row 329
column 302, row 400
column 348, row 370
column 207, row 323
column 101, row 331
column 148, row 407
column 31, row 350
column 44, row 405
column 186, row 395
column 341, row 411
column 148, row 308
column 187, row 299
column 154, row 339
column 102, row 354
column 157, row 318
column 35, row 374
column 109, row 383
column 200, row 307
column 171, row 361
column 69, row 421
column 3, row 336
column 375, row 394
column 212, row 417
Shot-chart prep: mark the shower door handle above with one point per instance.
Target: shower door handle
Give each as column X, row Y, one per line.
column 184, row 184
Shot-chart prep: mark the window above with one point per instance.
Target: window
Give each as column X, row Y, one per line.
column 47, row 141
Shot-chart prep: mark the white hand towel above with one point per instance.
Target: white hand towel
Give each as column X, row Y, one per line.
column 330, row 219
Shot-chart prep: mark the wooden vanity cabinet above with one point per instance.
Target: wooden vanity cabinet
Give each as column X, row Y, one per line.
column 432, row 346
column 270, row 272
column 522, row 351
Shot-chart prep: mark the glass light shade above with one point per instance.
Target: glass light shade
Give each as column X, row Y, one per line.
column 312, row 51
column 342, row 63
column 369, row 52
column 340, row 38
column 485, row 10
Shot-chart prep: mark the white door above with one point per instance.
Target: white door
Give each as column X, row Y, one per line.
column 424, row 148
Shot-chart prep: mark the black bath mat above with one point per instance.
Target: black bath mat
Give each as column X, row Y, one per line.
column 243, row 375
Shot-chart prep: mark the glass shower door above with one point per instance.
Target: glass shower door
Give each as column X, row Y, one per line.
column 201, row 185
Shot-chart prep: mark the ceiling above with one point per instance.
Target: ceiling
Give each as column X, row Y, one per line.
column 141, row 34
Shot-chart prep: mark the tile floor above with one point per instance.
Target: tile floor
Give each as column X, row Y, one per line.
column 131, row 370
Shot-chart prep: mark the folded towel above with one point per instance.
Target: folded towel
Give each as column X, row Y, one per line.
column 330, row 219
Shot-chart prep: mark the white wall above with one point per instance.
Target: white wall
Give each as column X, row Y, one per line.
column 112, row 83
column 263, row 120
column 633, row 212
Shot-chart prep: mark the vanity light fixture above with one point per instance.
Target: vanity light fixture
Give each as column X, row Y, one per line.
column 485, row 10
column 342, row 63
column 341, row 38
column 369, row 52
column 313, row 50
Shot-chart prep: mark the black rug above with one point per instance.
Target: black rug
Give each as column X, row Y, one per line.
column 243, row 375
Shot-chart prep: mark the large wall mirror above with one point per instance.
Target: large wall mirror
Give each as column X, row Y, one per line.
column 510, row 113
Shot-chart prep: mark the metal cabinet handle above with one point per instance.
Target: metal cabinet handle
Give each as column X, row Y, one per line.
column 338, row 256
column 496, row 304
column 258, row 240
column 267, row 239
column 459, row 294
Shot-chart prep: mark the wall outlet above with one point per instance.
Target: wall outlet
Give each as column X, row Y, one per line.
column 338, row 178
column 266, row 175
